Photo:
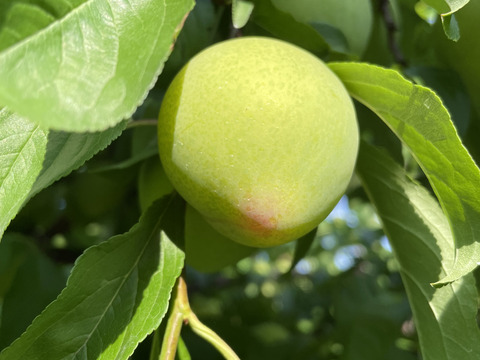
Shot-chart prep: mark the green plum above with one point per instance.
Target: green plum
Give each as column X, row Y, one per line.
column 206, row 250
column 260, row 137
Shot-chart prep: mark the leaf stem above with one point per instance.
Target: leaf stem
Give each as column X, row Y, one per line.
column 174, row 326
column 182, row 313
column 212, row 337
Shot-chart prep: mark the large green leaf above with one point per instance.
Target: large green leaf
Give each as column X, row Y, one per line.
column 33, row 158
column 417, row 116
column 91, row 67
column 420, row 236
column 117, row 294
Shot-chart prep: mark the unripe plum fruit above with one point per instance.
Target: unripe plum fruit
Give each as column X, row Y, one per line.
column 260, row 137
column 205, row 249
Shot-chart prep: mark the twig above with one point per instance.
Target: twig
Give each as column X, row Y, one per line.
column 174, row 326
column 182, row 313
column 209, row 335
column 391, row 31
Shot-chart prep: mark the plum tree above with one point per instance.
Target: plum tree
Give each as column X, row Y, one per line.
column 260, row 137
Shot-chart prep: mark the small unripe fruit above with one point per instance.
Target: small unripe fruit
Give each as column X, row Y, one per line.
column 260, row 137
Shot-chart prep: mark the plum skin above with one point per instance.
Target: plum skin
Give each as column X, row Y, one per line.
column 260, row 137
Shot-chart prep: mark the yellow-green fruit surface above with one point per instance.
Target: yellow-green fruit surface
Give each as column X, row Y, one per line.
column 206, row 250
column 260, row 137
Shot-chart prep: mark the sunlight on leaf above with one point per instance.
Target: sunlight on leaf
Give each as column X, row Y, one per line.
column 66, row 152
column 22, row 148
column 116, row 295
column 93, row 66
column 32, row 159
column 446, row 7
column 416, row 115
column 419, row 234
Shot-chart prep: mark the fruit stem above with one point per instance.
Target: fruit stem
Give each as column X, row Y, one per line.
column 212, row 337
column 182, row 313
column 174, row 326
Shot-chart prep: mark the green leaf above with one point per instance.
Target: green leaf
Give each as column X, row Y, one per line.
column 302, row 246
column 20, row 20
column 416, row 115
column 241, row 11
column 200, row 30
column 117, row 294
column 22, row 149
column 426, row 12
column 66, row 152
column 33, row 158
column 29, row 282
column 463, row 56
column 206, row 249
column 450, row 27
column 153, row 183
column 422, row 242
column 333, row 36
column 352, row 19
column 93, row 66
column 156, row 346
column 144, row 146
column 446, row 7
column 367, row 318
column 448, row 85
column 284, row 26
column 182, row 350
